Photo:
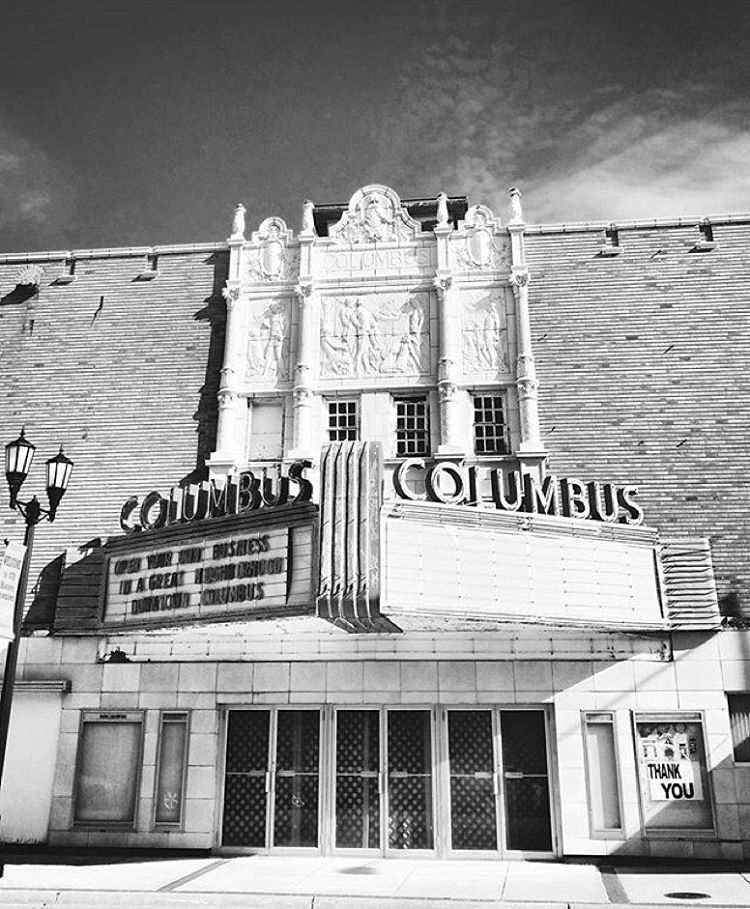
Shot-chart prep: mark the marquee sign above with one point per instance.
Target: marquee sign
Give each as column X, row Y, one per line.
column 485, row 564
column 239, row 566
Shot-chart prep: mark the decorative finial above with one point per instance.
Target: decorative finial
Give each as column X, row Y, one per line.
column 442, row 210
column 238, row 222
column 516, row 212
column 308, row 222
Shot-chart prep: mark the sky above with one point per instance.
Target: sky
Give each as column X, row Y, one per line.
column 140, row 122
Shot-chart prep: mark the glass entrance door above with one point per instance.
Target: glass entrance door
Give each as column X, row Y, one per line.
column 246, row 779
column 411, row 822
column 357, row 819
column 473, row 784
column 528, row 825
column 297, row 778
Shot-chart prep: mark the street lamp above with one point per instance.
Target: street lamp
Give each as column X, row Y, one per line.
column 18, row 458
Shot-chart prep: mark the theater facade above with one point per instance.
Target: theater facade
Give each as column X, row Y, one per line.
column 372, row 549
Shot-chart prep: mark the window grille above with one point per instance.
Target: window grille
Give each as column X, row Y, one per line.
column 412, row 427
column 489, row 425
column 739, row 720
column 342, row 421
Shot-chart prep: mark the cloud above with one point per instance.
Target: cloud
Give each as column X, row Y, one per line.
column 36, row 198
column 475, row 124
column 639, row 159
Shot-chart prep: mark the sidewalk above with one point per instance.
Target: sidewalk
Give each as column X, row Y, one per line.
column 293, row 882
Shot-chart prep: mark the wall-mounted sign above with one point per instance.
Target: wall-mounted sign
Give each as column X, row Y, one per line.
column 673, row 773
column 11, row 566
column 485, row 564
column 236, row 494
column 454, row 484
column 234, row 567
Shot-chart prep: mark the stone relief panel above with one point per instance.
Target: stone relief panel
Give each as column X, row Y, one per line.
column 268, row 337
column 484, row 331
column 374, row 215
column 375, row 335
column 481, row 248
column 273, row 259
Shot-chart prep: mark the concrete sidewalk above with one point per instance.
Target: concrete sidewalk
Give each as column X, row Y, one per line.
column 294, row 882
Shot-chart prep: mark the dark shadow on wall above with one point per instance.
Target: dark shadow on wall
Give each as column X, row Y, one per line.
column 21, row 293
column 41, row 614
column 213, row 313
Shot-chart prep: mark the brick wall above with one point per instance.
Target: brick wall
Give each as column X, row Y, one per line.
column 642, row 362
column 123, row 371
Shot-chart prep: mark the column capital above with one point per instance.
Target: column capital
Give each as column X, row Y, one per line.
column 442, row 282
column 303, row 291
column 231, row 293
column 519, row 277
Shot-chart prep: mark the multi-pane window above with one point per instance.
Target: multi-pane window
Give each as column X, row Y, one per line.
column 489, row 425
column 342, row 421
column 739, row 720
column 412, row 427
column 170, row 774
column 109, row 760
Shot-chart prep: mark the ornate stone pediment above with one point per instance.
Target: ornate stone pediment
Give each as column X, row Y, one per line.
column 273, row 260
column 375, row 215
column 482, row 246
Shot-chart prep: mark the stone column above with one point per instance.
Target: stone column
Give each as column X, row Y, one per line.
column 304, row 372
column 449, row 369
column 531, row 453
column 229, row 452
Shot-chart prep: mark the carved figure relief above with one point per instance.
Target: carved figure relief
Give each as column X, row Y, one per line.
column 273, row 260
column 268, row 342
column 484, row 333
column 481, row 247
column 375, row 336
column 374, row 215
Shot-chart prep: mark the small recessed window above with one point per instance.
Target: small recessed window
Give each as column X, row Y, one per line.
column 489, row 425
column 602, row 774
column 170, row 775
column 739, row 720
column 412, row 427
column 109, row 760
column 343, row 421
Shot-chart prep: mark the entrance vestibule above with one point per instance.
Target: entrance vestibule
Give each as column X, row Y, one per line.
column 388, row 781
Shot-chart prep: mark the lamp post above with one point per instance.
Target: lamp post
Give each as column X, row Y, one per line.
column 18, row 457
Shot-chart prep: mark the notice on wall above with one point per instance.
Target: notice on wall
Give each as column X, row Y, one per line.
column 211, row 576
column 11, row 566
column 670, row 762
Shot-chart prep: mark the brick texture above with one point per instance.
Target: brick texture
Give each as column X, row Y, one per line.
column 123, row 371
column 642, row 362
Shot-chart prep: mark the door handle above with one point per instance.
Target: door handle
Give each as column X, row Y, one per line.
column 495, row 785
column 513, row 775
column 268, row 780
